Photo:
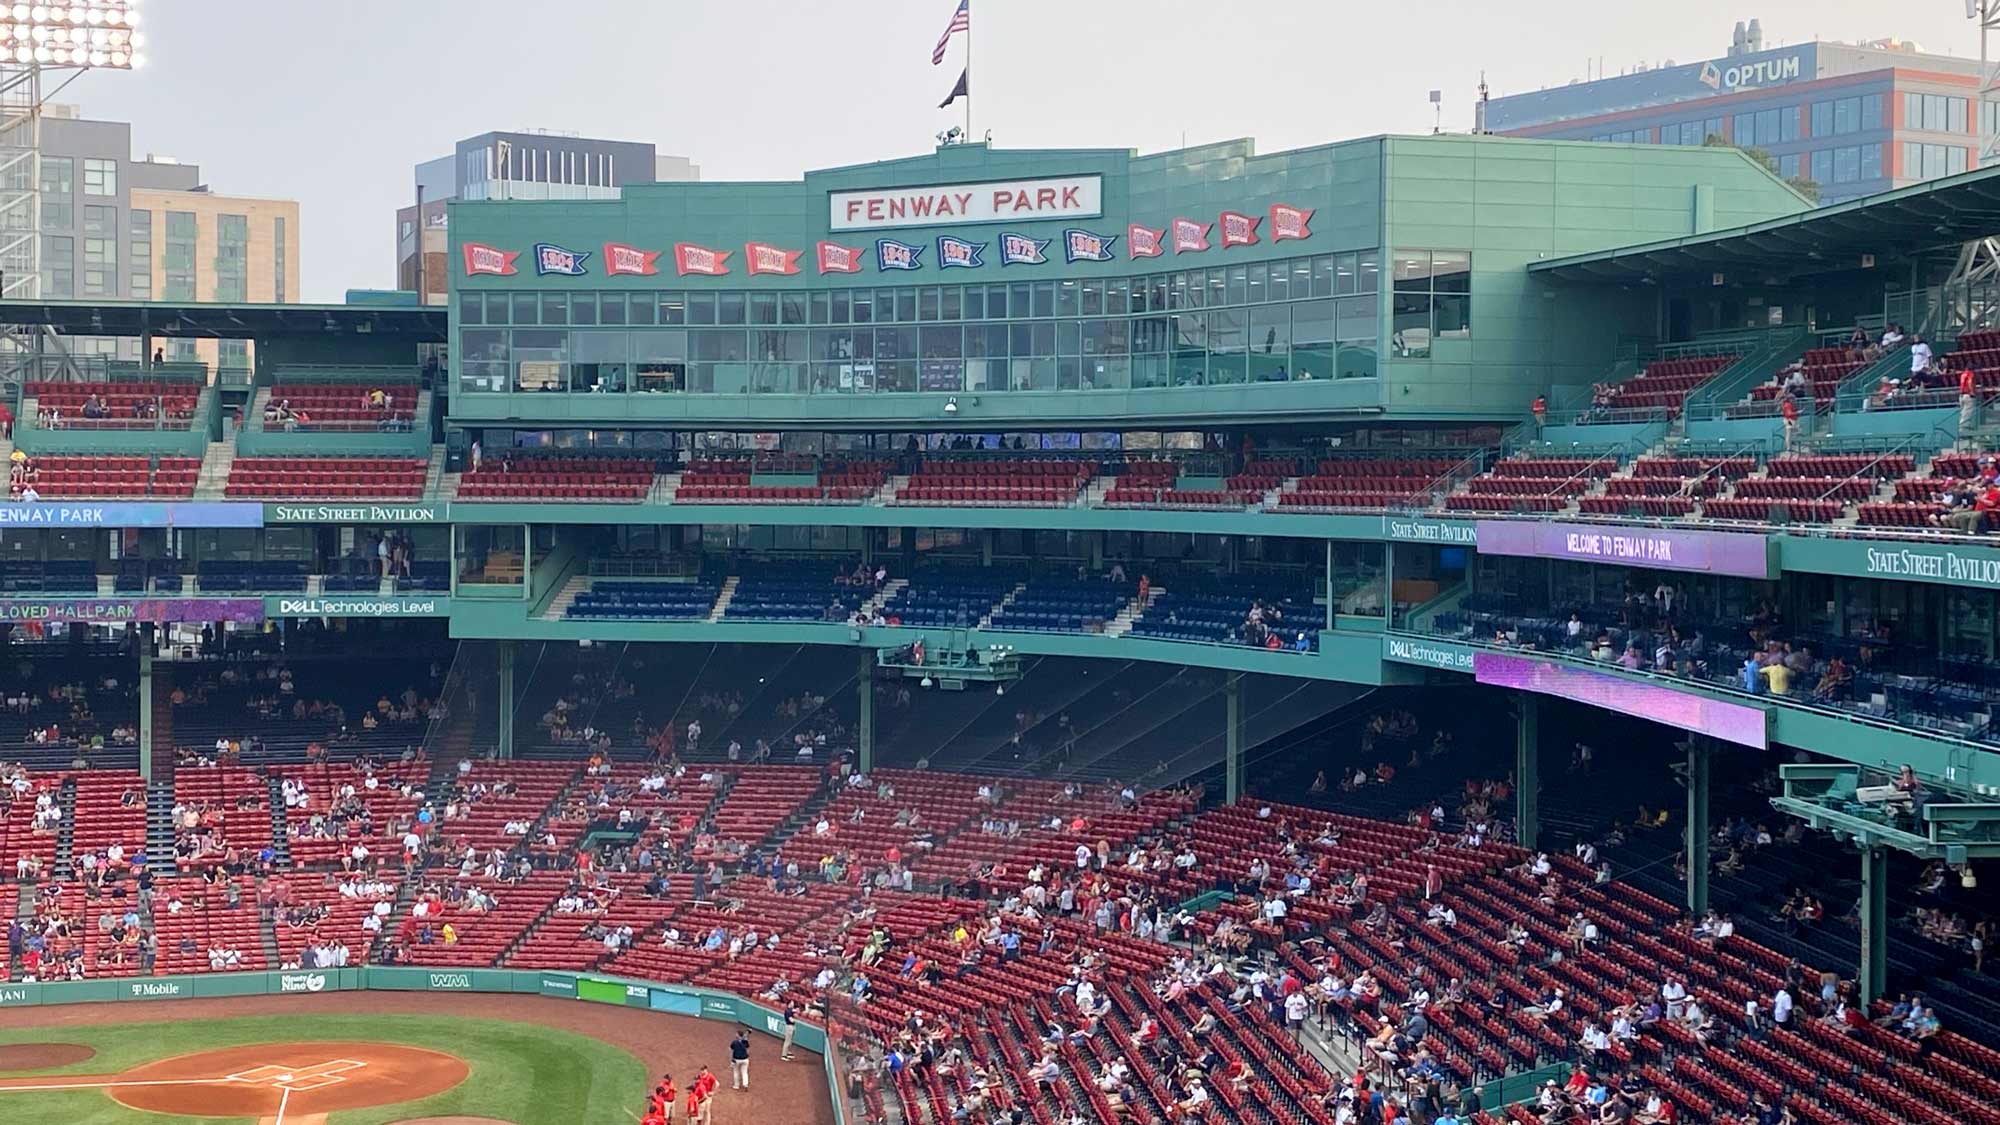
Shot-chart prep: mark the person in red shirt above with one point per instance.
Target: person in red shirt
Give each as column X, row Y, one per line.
column 1790, row 410
column 706, row 1082
column 697, row 1105
column 1968, row 396
column 666, row 1093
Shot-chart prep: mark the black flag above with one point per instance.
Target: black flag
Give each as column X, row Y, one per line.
column 957, row 92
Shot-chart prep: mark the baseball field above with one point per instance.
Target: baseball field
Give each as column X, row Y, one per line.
column 375, row 1059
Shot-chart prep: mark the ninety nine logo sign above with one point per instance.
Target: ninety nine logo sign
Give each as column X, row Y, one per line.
column 553, row 259
column 483, row 259
column 762, row 257
column 1020, row 250
column 622, row 259
column 1239, row 229
column 1144, row 242
column 1190, row 235
column 1290, row 222
column 302, row 982
column 835, row 258
column 689, row 258
column 458, row 981
column 893, row 255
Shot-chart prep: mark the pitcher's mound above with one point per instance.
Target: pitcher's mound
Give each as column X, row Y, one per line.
column 41, row 1056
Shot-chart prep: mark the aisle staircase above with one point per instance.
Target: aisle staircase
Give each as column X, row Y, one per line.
column 216, row 460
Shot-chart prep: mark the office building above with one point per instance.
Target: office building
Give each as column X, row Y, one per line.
column 524, row 165
column 1854, row 118
column 119, row 227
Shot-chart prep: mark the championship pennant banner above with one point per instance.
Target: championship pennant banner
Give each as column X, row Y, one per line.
column 1181, row 235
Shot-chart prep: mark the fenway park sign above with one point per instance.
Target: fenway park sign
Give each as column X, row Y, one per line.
column 995, row 201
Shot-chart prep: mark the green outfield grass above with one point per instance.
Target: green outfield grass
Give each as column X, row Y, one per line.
column 521, row 1072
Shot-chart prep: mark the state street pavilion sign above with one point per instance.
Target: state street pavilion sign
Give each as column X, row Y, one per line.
column 942, row 205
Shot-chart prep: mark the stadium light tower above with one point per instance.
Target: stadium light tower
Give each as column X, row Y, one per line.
column 37, row 43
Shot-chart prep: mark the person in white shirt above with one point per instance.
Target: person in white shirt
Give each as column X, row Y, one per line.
column 1674, row 994
column 1920, row 355
column 1781, row 1007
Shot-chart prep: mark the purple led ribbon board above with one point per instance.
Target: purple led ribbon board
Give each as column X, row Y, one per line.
column 1709, row 552
column 113, row 611
column 1730, row 722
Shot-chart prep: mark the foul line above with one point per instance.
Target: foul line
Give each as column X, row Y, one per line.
column 112, row 1085
column 283, row 1100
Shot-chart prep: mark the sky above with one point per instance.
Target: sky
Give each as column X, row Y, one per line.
column 333, row 102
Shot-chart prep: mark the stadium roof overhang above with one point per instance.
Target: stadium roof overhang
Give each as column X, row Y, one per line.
column 1891, row 226
column 225, row 321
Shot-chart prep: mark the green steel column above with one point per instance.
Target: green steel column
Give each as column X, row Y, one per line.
column 1527, row 770
column 1329, row 586
column 504, row 706
column 1232, row 739
column 1874, row 911
column 864, row 738
column 146, row 703
column 1388, row 590
column 1697, row 824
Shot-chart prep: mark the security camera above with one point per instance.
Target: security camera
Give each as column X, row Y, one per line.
column 951, row 405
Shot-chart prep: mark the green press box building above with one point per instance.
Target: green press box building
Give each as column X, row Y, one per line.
column 1077, row 287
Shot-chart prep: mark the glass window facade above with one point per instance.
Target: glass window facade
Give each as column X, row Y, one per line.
column 58, row 191
column 1294, row 319
column 182, row 229
column 142, row 255
column 100, row 267
column 1837, row 117
column 1928, row 162
column 1936, row 113
column 1431, row 299
column 232, row 258
column 58, row 265
column 100, row 177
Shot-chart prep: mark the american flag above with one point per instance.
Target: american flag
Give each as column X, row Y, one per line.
column 961, row 20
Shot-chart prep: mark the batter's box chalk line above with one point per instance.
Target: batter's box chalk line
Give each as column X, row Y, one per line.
column 298, row 1079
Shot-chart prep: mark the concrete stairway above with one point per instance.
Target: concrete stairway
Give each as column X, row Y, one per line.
column 883, row 596
column 722, row 601
column 216, row 460
column 566, row 597
column 434, row 474
column 987, row 619
column 1128, row 613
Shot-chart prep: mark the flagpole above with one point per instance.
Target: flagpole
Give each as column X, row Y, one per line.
column 968, row 71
